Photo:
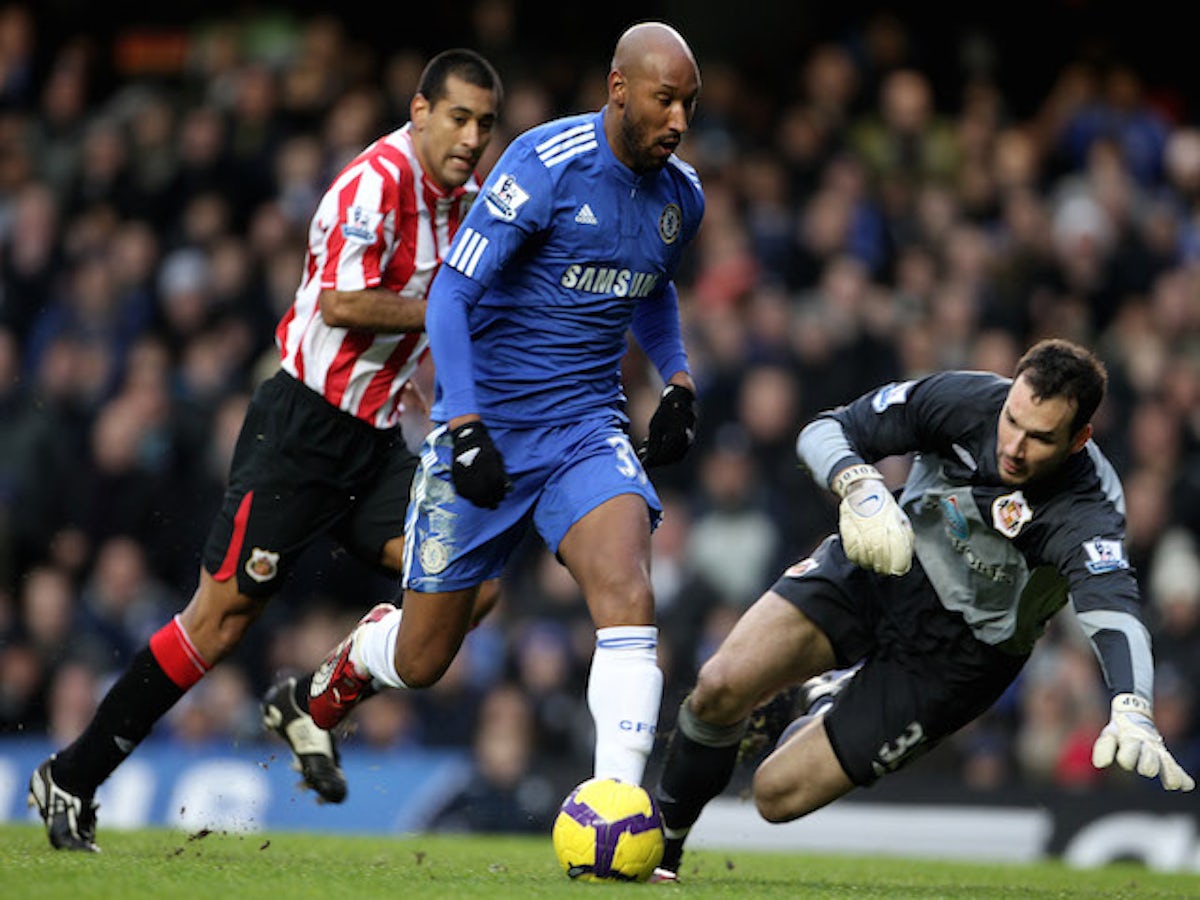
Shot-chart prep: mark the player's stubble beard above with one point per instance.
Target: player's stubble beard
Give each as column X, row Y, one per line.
column 637, row 143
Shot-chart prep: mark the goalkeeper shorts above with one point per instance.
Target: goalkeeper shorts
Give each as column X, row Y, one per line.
column 925, row 674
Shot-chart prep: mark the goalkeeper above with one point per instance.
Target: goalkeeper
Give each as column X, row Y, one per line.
column 1009, row 511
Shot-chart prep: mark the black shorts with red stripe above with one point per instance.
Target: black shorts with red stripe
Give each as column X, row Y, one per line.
column 303, row 468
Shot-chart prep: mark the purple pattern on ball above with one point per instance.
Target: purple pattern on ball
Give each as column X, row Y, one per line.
column 608, row 833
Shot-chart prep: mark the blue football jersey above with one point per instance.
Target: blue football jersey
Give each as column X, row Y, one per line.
column 567, row 240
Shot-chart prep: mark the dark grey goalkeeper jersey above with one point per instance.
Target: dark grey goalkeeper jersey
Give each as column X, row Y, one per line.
column 1006, row 558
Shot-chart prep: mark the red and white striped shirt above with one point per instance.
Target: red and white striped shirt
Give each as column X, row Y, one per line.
column 381, row 224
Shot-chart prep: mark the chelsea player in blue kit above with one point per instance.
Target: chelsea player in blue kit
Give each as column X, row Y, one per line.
column 571, row 245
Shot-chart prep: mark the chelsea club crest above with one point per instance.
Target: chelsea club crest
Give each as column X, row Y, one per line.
column 670, row 222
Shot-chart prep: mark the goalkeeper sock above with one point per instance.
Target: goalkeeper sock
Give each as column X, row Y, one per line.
column 699, row 763
column 624, row 693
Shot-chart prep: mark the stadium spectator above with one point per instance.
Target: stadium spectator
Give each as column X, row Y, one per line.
column 505, row 793
column 734, row 539
column 32, row 254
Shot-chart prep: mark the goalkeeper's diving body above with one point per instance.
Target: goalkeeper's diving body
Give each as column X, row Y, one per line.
column 931, row 602
column 572, row 245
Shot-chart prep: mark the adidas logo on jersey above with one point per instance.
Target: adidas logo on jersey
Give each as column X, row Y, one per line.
column 585, row 216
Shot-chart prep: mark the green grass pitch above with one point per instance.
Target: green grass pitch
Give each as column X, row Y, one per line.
column 175, row 865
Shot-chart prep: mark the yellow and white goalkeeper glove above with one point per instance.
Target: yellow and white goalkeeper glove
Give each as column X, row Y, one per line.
column 876, row 534
column 1132, row 740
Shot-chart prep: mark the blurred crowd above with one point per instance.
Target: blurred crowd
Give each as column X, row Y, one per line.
column 864, row 224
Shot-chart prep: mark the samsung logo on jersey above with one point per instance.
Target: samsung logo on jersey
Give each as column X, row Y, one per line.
column 609, row 280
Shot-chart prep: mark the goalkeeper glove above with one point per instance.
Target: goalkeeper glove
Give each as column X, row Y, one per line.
column 672, row 428
column 1132, row 740
column 876, row 534
column 478, row 469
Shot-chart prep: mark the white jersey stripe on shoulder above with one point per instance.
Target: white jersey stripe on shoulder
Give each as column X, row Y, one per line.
column 473, row 259
column 565, row 146
column 561, row 146
column 567, row 135
column 465, row 241
column 552, row 161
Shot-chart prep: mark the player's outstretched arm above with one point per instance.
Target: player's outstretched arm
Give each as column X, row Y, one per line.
column 1131, row 739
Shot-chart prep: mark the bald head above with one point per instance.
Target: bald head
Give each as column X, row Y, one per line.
column 651, row 43
column 653, row 85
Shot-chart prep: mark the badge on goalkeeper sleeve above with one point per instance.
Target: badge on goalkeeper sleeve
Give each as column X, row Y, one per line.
column 478, row 469
column 672, row 428
column 876, row 534
column 1131, row 739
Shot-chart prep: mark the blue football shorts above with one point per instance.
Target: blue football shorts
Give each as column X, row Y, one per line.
column 559, row 475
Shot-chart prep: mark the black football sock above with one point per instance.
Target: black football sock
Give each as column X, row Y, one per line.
column 138, row 699
column 699, row 762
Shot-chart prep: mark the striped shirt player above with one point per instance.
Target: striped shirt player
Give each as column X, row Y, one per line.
column 320, row 450
column 572, row 245
column 381, row 224
column 931, row 603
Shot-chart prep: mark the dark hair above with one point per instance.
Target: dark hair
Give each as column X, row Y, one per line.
column 1058, row 368
column 462, row 63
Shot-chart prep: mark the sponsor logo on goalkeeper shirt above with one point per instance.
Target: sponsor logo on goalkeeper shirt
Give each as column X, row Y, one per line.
column 609, row 280
column 976, row 563
column 956, row 522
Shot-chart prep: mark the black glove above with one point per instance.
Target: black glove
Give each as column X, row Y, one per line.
column 672, row 428
column 478, row 470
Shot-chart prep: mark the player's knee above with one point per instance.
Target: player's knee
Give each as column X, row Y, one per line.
column 417, row 673
column 421, row 670
column 715, row 697
column 776, row 797
column 630, row 603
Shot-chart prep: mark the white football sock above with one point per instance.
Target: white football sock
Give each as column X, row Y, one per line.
column 624, row 693
column 373, row 650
